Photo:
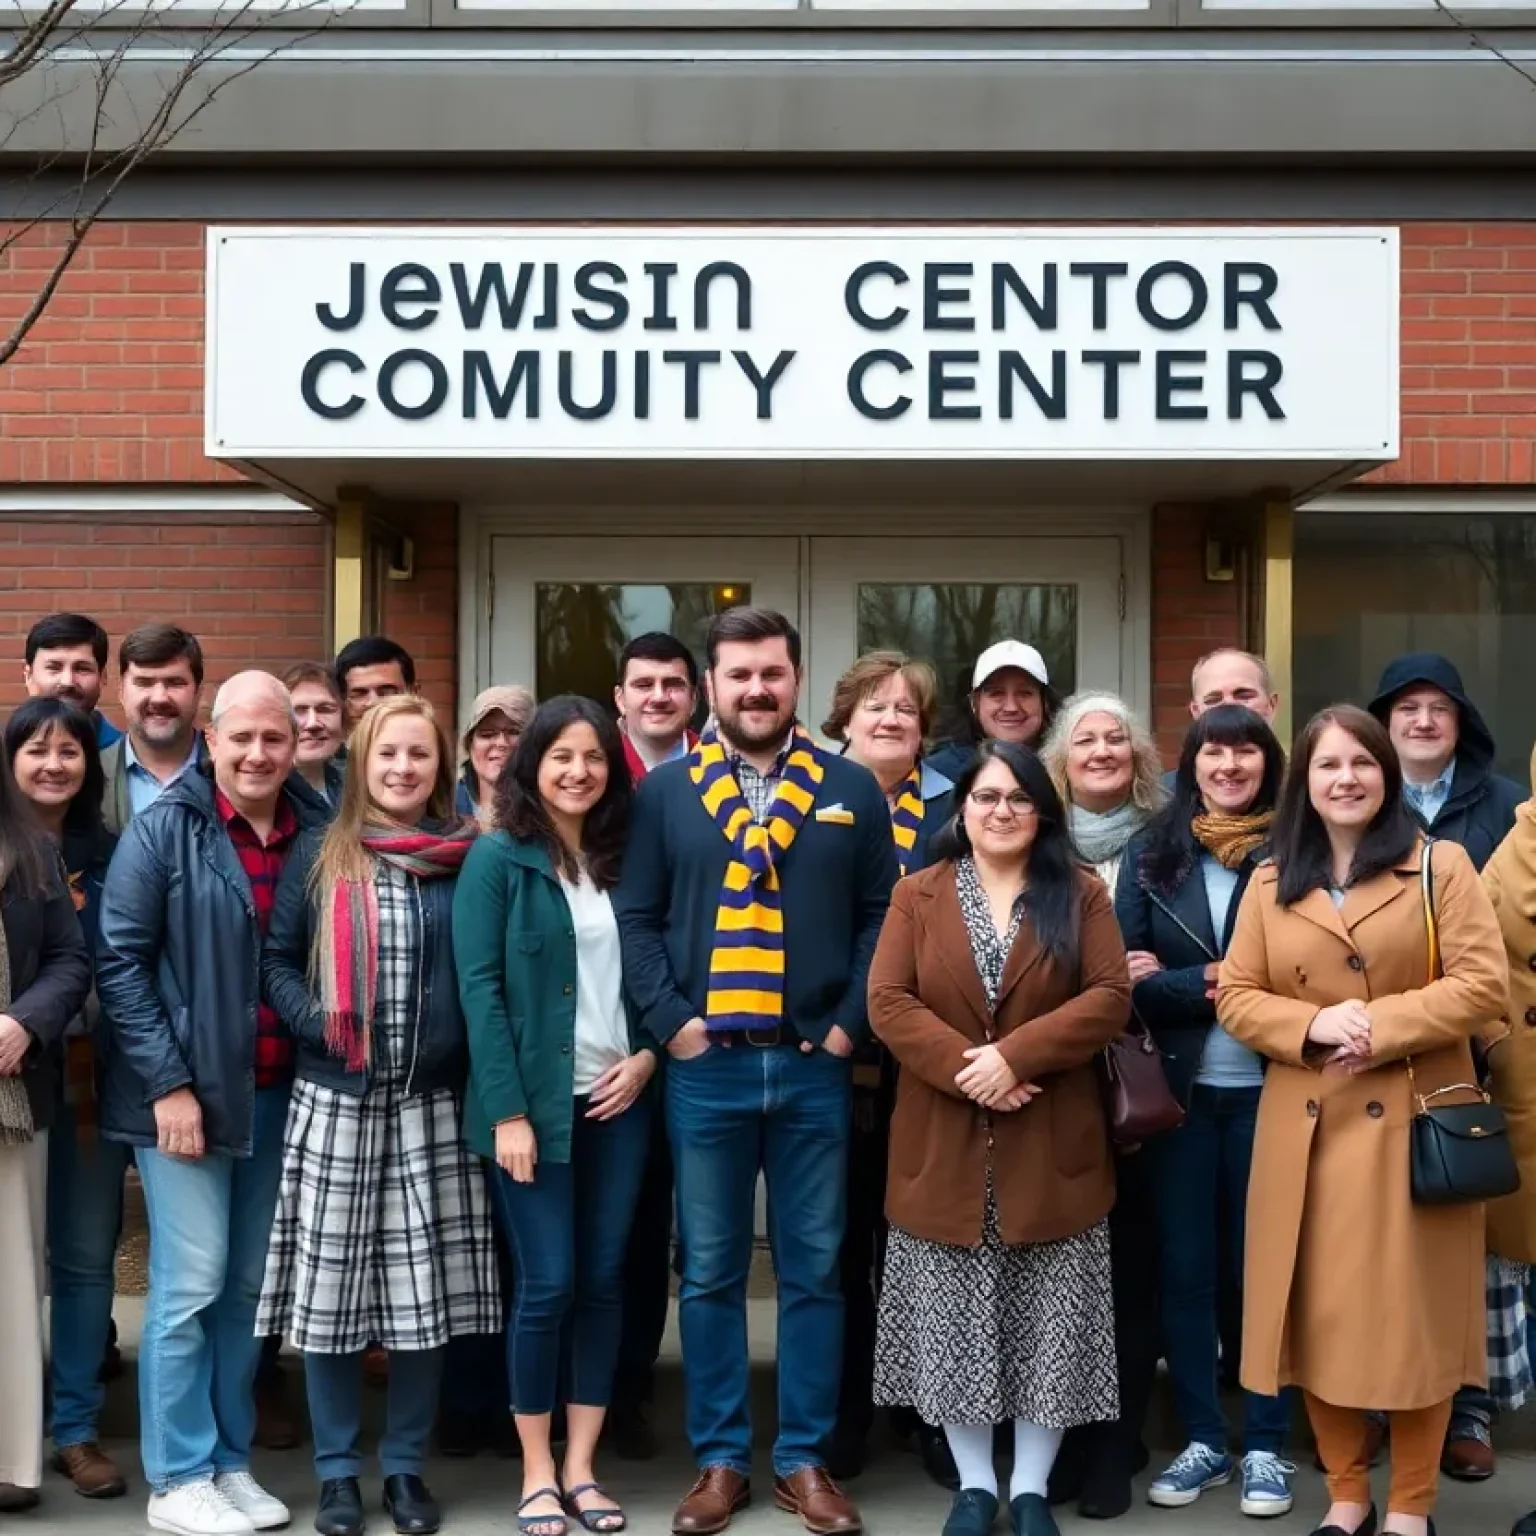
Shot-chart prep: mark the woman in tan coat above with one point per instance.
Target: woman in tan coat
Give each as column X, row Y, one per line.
column 1510, row 880
column 999, row 975
column 1354, row 1293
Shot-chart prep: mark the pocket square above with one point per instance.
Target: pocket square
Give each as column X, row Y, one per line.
column 837, row 814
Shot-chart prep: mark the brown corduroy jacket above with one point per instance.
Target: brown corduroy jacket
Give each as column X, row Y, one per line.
column 1051, row 1160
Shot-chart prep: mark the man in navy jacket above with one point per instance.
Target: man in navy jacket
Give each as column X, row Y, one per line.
column 773, row 1097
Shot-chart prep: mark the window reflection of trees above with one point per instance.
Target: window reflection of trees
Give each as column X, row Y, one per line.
column 949, row 624
column 583, row 626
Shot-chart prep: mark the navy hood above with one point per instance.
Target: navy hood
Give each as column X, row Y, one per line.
column 1475, row 742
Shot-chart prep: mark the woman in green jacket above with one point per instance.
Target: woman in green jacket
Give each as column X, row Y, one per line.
column 557, row 1085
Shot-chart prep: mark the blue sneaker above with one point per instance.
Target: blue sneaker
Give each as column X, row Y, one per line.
column 1196, row 1468
column 1266, row 1485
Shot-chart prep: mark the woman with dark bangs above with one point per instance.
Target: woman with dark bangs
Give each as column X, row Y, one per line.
column 1353, row 1290
column 1180, row 886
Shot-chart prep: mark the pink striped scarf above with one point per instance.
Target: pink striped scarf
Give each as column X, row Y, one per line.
column 348, row 950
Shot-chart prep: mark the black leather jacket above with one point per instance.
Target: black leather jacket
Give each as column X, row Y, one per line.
column 178, row 967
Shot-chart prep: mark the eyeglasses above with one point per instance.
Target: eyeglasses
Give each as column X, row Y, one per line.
column 989, row 800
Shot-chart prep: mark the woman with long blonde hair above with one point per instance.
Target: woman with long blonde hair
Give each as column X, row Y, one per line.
column 383, row 1231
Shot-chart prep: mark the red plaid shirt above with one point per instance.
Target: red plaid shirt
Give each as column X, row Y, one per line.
column 263, row 864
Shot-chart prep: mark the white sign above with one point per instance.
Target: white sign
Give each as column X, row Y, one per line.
column 803, row 343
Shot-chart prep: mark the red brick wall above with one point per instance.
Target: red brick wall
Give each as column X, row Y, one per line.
column 423, row 613
column 252, row 587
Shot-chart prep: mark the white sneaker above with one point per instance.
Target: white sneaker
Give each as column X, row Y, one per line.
column 197, row 1509
column 252, row 1500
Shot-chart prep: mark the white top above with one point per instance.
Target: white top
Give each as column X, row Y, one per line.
column 602, row 1031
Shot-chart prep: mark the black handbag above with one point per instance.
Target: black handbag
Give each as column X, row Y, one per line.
column 1458, row 1153
column 1138, row 1100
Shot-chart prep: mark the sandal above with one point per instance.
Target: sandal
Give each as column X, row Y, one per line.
column 532, row 1525
column 589, row 1518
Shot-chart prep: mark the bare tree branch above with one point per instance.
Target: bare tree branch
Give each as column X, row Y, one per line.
column 105, row 41
column 1480, row 39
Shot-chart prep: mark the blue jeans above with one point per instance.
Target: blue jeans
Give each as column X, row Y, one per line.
column 569, row 1231
column 85, row 1219
column 732, row 1112
column 334, row 1386
column 209, row 1223
column 1200, row 1172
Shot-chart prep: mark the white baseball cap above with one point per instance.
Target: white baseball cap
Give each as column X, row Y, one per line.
column 1009, row 653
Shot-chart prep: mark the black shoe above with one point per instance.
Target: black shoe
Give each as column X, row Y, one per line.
column 409, row 1503
column 938, row 1461
column 1031, row 1516
column 971, row 1514
column 629, row 1432
column 1065, row 1484
column 1367, row 1527
column 1106, row 1492
column 845, row 1454
column 1525, row 1525
column 341, row 1508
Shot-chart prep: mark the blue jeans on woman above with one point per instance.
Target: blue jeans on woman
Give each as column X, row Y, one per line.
column 568, row 1230
column 85, row 1219
column 1200, row 1173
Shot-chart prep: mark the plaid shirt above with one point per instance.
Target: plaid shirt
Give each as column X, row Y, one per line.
column 758, row 789
column 263, row 864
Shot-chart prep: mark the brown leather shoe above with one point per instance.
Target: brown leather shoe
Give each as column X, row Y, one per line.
column 1468, row 1458
column 91, row 1470
column 709, row 1504
column 824, row 1509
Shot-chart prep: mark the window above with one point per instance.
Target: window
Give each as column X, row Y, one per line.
column 1369, row 586
column 582, row 627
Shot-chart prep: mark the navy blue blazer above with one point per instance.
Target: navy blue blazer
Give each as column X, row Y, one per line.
column 836, row 881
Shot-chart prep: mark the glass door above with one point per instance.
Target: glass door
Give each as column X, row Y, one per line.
column 563, row 608
column 946, row 600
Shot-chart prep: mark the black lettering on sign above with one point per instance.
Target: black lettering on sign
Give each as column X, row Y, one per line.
column 853, row 296
column 1052, row 402
column 491, row 283
column 1042, row 310
column 309, row 382
column 861, row 402
column 693, row 362
column 661, row 317
column 436, row 395
column 587, row 288
column 763, row 383
column 642, row 386
column 1197, row 298
column 936, row 296
column 1168, row 384
column 1099, row 273
column 548, row 318
column 1252, row 283
column 522, row 376
column 410, row 283
column 701, row 285
column 1112, row 363
column 942, row 383
column 1256, row 374
column 567, row 387
column 357, row 301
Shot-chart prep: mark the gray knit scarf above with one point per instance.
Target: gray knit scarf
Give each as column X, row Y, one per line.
column 1100, row 837
column 16, row 1127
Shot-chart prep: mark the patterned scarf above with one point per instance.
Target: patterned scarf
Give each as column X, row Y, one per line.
column 907, row 818
column 746, row 968
column 348, row 947
column 16, row 1125
column 1230, row 839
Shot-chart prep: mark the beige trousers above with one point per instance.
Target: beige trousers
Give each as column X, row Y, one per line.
column 23, row 1201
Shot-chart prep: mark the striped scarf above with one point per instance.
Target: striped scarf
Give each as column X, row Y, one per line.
column 347, row 950
column 907, row 818
column 746, row 968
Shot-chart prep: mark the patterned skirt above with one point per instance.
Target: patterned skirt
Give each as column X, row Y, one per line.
column 981, row 1335
column 1509, row 1354
column 383, row 1230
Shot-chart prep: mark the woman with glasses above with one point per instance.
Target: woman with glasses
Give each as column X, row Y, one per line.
column 1105, row 765
column 497, row 718
column 1181, row 883
column 882, row 711
column 998, row 977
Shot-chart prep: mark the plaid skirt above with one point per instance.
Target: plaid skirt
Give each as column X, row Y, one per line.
column 1509, row 1354
column 383, row 1231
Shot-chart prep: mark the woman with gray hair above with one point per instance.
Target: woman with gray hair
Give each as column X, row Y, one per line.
column 496, row 719
column 1105, row 765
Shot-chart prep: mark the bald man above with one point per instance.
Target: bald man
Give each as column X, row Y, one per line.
column 197, row 1079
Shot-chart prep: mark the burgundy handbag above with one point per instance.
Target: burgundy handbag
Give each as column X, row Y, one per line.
column 1137, row 1097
